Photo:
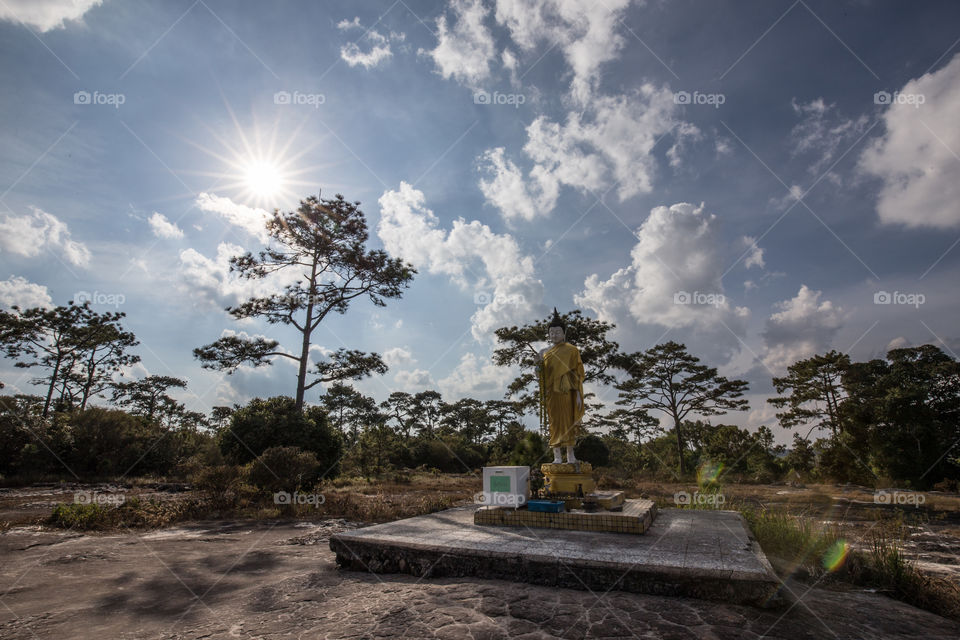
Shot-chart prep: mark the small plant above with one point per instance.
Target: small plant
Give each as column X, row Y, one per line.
column 284, row 469
column 219, row 484
column 794, row 539
column 84, row 517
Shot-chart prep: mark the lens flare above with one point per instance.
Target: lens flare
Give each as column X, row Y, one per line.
column 708, row 473
column 836, row 555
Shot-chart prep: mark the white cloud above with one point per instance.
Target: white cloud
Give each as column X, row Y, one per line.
column 163, row 228
column 754, row 256
column 16, row 290
column 917, row 157
column 511, row 64
column 509, row 192
column 608, row 146
column 253, row 221
column 585, row 31
column 823, row 133
column 45, row 15
column 802, row 327
column 465, row 50
column 490, row 266
column 210, row 280
column 346, row 25
column 899, row 342
column 476, row 377
column 396, row 356
column 29, row 234
column 415, row 380
column 673, row 279
column 794, row 194
column 378, row 51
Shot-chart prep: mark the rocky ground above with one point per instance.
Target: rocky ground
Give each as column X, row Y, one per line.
column 279, row 580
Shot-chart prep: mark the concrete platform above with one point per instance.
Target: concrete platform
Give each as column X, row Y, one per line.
column 635, row 517
column 700, row 554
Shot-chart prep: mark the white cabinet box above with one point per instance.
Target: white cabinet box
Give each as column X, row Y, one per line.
column 506, row 486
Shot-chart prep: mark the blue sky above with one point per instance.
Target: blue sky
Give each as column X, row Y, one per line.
column 760, row 180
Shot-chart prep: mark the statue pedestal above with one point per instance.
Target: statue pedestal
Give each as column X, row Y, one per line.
column 568, row 480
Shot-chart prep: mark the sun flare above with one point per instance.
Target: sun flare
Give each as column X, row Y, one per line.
column 261, row 167
column 264, row 179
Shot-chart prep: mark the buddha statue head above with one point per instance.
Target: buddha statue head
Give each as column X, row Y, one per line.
column 556, row 330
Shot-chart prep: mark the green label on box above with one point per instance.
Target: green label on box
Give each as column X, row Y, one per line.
column 500, row 484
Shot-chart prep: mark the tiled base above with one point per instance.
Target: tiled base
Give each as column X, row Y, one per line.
column 636, row 517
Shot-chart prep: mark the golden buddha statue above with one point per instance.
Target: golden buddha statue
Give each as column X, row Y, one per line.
column 563, row 389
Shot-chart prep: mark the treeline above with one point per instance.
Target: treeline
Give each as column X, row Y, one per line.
column 894, row 419
column 891, row 420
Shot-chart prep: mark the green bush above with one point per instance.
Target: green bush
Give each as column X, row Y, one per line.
column 109, row 442
column 219, row 484
column 449, row 454
column 592, row 449
column 19, row 428
column 84, row 516
column 284, row 469
column 275, row 422
column 530, row 450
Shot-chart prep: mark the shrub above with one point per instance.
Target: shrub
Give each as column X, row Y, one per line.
column 592, row 449
column 83, row 516
column 284, row 469
column 449, row 454
column 275, row 422
column 108, row 442
column 531, row 451
column 219, row 484
column 18, row 423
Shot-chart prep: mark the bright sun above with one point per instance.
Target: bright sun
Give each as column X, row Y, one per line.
column 259, row 169
column 264, row 179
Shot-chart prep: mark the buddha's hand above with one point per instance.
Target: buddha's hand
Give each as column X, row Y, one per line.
column 579, row 400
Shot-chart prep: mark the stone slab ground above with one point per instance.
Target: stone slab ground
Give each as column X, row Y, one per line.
column 278, row 580
column 701, row 554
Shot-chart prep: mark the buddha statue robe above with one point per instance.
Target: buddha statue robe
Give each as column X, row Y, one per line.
column 563, row 380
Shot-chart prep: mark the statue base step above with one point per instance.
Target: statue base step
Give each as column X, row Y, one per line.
column 635, row 517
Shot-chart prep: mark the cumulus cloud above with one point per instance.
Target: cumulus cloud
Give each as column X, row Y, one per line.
column 210, row 280
column 163, row 228
column 397, row 356
column 673, row 279
column 802, row 326
column 465, row 49
column 608, row 146
column 16, row 290
column 252, row 220
column 29, row 234
column 510, row 192
column 488, row 265
column 378, row 45
column 414, row 380
column 45, row 15
column 916, row 158
column 585, row 31
column 476, row 377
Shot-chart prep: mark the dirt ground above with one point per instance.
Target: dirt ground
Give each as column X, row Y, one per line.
column 279, row 580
